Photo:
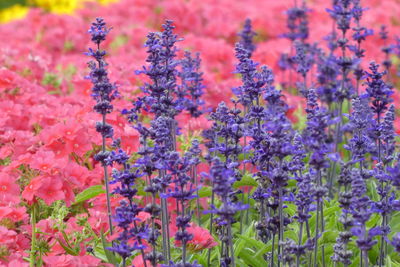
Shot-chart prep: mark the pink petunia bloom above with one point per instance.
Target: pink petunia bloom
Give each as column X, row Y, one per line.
column 138, row 262
column 202, row 238
column 47, row 188
column 9, row 190
column 14, row 214
column 17, row 263
column 71, row 261
column 45, row 161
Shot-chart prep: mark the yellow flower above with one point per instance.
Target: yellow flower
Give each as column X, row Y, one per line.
column 12, row 13
column 105, row 2
column 65, row 6
column 58, row 6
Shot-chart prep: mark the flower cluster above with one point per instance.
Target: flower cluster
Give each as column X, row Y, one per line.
column 302, row 164
column 103, row 92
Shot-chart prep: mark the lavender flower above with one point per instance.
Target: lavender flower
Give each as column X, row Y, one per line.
column 361, row 122
column 327, row 77
column 304, row 200
column 316, row 140
column 388, row 134
column 315, row 136
column 396, row 242
column 272, row 137
column 191, row 89
column 360, row 34
column 194, row 264
column 341, row 252
column 297, row 23
column 180, row 168
column 379, row 93
column 246, row 37
column 378, row 90
column 386, row 49
column 302, row 58
column 387, row 203
column 342, row 14
column 103, row 92
column 223, row 177
column 361, row 212
column 162, row 71
column 132, row 235
column 228, row 129
column 254, row 82
column 162, row 100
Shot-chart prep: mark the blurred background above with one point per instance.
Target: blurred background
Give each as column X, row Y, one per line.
column 46, row 40
column 16, row 9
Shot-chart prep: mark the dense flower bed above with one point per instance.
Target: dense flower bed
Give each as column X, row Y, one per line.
column 304, row 163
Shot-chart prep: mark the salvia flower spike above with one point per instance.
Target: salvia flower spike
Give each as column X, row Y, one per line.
column 103, row 91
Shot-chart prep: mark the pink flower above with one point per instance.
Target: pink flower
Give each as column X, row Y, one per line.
column 7, row 237
column 17, row 263
column 45, row 161
column 9, row 190
column 202, row 238
column 47, row 188
column 138, row 262
column 71, row 261
column 14, row 214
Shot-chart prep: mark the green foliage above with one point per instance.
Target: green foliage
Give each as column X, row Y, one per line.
column 89, row 193
column 9, row 3
column 102, row 250
column 247, row 180
column 52, row 79
column 119, row 41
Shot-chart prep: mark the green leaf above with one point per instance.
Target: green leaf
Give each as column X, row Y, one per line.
column 89, row 193
column 253, row 242
column 239, row 245
column 248, row 256
column 329, row 237
column 389, row 261
column 260, row 253
column 331, row 210
column 67, row 248
column 373, row 221
column 247, row 180
column 205, row 191
column 371, row 185
column 110, row 256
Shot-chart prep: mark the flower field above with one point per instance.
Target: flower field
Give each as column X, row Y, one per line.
column 200, row 133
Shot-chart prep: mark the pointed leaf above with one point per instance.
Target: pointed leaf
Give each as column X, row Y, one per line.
column 89, row 193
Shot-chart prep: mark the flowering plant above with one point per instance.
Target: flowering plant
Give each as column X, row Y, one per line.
column 260, row 143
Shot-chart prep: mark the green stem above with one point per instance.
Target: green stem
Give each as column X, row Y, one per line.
column 316, row 234
column 300, row 242
column 103, row 149
column 165, row 230
column 231, row 245
column 273, row 250
column 280, row 243
column 32, row 258
column 211, row 225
